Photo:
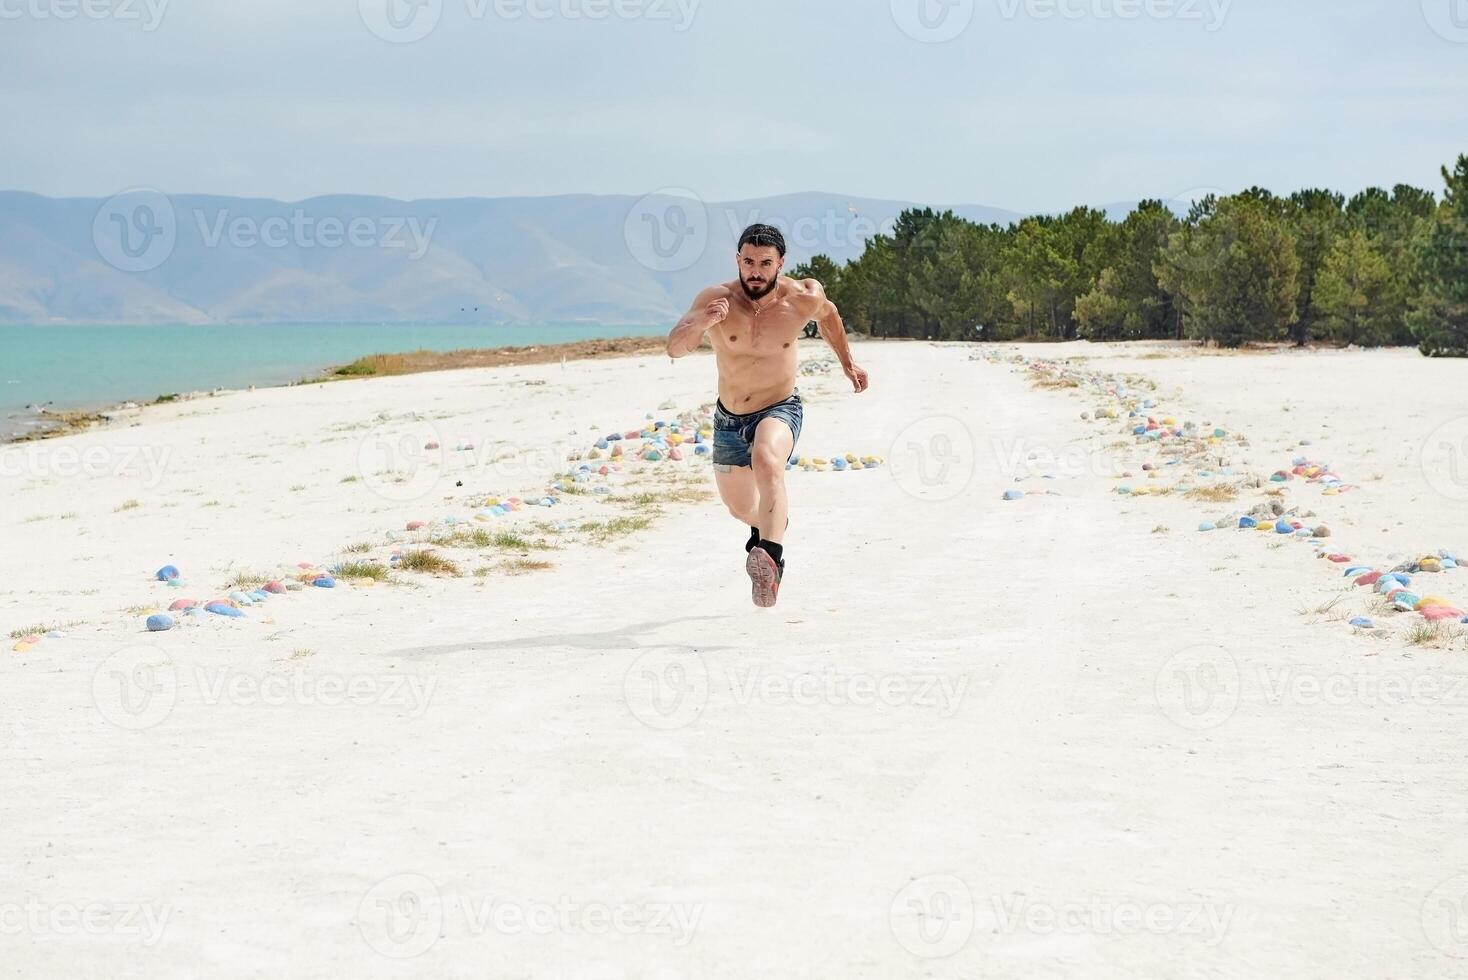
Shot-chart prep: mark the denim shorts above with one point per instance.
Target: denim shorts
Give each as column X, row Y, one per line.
column 734, row 434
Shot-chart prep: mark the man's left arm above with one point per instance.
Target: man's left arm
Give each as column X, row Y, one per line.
column 833, row 330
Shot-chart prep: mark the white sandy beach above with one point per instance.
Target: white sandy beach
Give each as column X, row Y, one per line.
column 1063, row 736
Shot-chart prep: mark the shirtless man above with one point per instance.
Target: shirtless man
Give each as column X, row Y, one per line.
column 753, row 324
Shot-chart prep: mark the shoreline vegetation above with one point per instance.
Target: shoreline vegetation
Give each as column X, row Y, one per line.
column 63, row 422
column 1381, row 268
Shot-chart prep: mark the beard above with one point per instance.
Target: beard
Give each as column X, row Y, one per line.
column 761, row 291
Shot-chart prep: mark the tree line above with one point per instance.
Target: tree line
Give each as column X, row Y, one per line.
column 1380, row 268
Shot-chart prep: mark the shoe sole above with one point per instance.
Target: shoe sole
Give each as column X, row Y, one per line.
column 764, row 577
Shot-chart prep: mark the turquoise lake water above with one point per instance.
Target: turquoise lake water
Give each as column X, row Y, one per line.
column 99, row 366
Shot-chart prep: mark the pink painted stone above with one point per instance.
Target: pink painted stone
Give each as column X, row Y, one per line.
column 412, row 526
column 273, row 587
column 179, row 604
column 1370, row 578
column 1434, row 613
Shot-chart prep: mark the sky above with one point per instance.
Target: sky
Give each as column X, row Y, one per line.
column 1030, row 105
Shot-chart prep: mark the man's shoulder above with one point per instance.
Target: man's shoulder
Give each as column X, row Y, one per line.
column 807, row 292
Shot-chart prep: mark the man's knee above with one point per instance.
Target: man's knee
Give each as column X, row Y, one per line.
column 767, row 461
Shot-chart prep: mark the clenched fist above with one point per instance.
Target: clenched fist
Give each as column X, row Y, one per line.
column 718, row 310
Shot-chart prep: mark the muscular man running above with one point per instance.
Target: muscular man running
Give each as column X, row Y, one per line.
column 753, row 324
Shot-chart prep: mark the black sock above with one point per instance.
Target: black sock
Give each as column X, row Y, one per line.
column 775, row 551
column 753, row 540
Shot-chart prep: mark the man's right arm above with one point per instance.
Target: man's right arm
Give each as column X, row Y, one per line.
column 710, row 307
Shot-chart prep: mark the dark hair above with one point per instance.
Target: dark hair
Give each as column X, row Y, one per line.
column 763, row 236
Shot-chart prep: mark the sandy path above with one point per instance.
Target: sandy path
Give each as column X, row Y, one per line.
column 976, row 739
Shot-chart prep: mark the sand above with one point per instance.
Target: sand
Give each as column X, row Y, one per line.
column 1065, row 736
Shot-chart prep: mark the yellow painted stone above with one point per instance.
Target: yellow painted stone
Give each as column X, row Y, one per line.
column 1433, row 600
column 364, row 581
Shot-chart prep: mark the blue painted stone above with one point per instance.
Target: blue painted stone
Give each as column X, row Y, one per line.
column 1247, row 521
column 158, row 622
column 1356, row 570
column 241, row 598
column 224, row 609
column 1207, row 526
column 176, row 583
column 701, row 450
column 1283, row 526
column 602, row 444
column 167, row 572
column 325, row 582
column 1406, row 601
column 1014, row 495
column 1363, row 623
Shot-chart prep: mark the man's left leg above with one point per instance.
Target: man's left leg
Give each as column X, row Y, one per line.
column 773, row 443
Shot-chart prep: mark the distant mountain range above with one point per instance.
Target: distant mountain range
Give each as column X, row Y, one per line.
column 141, row 257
